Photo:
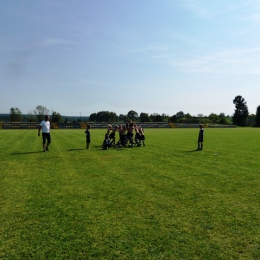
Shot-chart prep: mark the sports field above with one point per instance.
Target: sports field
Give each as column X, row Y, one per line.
column 161, row 201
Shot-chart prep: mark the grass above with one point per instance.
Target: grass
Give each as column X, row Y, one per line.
column 161, row 201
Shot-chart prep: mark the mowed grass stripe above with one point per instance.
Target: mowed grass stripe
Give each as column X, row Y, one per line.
column 161, row 201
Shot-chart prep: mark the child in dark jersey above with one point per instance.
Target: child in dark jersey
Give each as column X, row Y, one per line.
column 87, row 132
column 200, row 138
column 106, row 143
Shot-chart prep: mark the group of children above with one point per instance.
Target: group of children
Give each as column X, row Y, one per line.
column 129, row 135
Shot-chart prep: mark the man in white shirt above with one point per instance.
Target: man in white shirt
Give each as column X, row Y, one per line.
column 45, row 126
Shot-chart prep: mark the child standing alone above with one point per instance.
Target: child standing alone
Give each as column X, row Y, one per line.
column 87, row 132
column 200, row 138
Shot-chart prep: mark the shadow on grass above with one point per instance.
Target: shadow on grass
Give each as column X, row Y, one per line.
column 26, row 153
column 99, row 147
column 76, row 149
column 196, row 150
column 82, row 149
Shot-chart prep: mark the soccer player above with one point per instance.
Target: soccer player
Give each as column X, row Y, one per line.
column 112, row 135
column 130, row 133
column 200, row 138
column 45, row 126
column 106, row 143
column 109, row 128
column 87, row 132
column 142, row 136
column 137, row 136
column 123, row 136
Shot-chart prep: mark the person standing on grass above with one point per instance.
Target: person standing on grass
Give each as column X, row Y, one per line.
column 123, row 136
column 142, row 136
column 137, row 136
column 200, row 138
column 130, row 133
column 112, row 136
column 87, row 132
column 45, row 126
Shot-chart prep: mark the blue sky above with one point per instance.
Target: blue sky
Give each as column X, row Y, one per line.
column 79, row 57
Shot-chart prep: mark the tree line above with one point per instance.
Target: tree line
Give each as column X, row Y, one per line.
column 241, row 116
column 37, row 115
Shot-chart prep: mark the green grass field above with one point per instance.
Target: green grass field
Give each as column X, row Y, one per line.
column 161, row 201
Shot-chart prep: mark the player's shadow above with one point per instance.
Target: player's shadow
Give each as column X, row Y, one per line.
column 26, row 153
column 76, row 149
column 82, row 149
column 196, row 150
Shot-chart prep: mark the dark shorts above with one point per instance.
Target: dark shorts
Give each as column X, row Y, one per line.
column 130, row 135
column 112, row 136
column 88, row 139
column 142, row 137
column 200, row 139
column 123, row 138
column 46, row 136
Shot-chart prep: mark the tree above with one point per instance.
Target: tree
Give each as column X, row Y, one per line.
column 241, row 111
column 123, row 118
column 156, row 117
column 15, row 114
column 31, row 117
column 251, row 120
column 103, row 116
column 144, row 117
column 165, row 117
column 132, row 115
column 56, row 117
column 93, row 117
column 188, row 115
column 214, row 118
column 180, row 115
column 40, row 112
column 257, row 116
column 113, row 117
column 173, row 119
column 223, row 121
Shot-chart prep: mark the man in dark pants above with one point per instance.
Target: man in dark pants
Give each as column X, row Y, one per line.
column 45, row 126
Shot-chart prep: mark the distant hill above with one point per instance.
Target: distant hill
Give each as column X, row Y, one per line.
column 6, row 118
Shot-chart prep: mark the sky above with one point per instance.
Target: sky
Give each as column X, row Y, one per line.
column 78, row 57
